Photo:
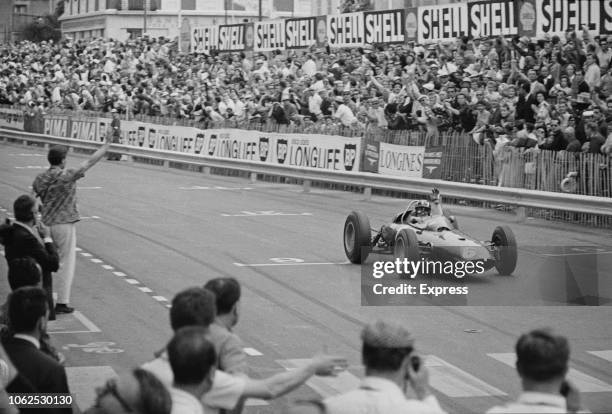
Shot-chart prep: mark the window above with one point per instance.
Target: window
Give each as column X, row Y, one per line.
column 20, row 9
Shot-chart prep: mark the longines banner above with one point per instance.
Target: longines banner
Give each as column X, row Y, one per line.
column 333, row 153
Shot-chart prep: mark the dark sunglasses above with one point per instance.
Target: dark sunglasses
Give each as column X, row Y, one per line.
column 110, row 388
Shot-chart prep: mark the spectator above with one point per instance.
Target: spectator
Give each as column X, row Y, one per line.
column 542, row 364
column 116, row 135
column 29, row 237
column 193, row 360
column 28, row 313
column 231, row 356
column 138, row 392
column 391, row 365
column 196, row 307
column 56, row 188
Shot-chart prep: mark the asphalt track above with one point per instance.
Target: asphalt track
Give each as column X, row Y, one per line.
column 149, row 232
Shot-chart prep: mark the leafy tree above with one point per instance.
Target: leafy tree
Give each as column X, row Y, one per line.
column 46, row 27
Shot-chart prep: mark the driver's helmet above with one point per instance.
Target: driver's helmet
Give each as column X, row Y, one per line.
column 421, row 208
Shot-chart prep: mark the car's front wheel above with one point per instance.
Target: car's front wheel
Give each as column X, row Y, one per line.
column 504, row 243
column 357, row 237
column 406, row 245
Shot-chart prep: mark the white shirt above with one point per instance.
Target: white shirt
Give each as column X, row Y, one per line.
column 533, row 403
column 345, row 115
column 184, row 403
column 309, row 67
column 28, row 338
column 225, row 392
column 380, row 396
column 314, row 104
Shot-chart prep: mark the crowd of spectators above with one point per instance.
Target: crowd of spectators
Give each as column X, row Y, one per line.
column 552, row 93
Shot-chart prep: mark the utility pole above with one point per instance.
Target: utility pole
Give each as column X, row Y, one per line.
column 144, row 31
column 225, row 9
column 259, row 10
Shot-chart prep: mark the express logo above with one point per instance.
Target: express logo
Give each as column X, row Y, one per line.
column 264, row 148
column 199, row 143
column 212, row 145
column 281, row 150
column 350, row 154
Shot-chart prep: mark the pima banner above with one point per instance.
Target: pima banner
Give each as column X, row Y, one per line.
column 441, row 23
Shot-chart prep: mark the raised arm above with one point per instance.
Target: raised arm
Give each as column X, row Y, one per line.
column 96, row 156
column 436, row 202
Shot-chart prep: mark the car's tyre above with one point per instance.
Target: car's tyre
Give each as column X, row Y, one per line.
column 357, row 237
column 406, row 245
column 505, row 243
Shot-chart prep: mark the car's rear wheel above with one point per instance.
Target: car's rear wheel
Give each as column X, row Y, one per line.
column 357, row 237
column 406, row 245
column 506, row 252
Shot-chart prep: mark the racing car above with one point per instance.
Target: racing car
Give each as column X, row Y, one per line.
column 416, row 233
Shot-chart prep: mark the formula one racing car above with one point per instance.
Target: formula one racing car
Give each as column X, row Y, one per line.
column 423, row 231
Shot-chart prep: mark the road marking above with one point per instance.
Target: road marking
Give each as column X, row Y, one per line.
column 132, row 281
column 607, row 355
column 252, row 352
column 255, row 402
column 27, row 155
column 145, row 289
column 83, row 382
column 32, row 167
column 85, row 254
column 107, row 267
column 78, row 249
column 270, row 213
column 89, row 188
column 90, row 218
column 119, row 274
column 160, row 298
column 325, row 386
column 290, row 264
column 66, row 325
column 454, row 382
column 96, row 261
column 582, row 381
column 197, row 187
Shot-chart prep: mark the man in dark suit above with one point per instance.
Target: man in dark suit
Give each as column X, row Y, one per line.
column 38, row 372
column 27, row 236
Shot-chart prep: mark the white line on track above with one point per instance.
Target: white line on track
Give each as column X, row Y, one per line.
column 119, row 274
column 290, row 264
column 89, row 188
column 96, row 260
column 145, row 289
column 160, row 298
column 107, row 267
column 85, row 254
column 132, row 281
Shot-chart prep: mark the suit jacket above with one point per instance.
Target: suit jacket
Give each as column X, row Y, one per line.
column 19, row 242
column 38, row 372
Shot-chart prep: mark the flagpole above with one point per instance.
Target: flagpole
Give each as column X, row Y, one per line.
column 180, row 26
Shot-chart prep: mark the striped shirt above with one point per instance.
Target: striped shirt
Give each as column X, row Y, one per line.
column 56, row 188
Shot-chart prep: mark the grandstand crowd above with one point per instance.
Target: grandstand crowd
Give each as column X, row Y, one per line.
column 552, row 94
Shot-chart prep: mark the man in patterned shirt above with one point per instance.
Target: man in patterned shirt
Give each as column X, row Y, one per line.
column 56, row 188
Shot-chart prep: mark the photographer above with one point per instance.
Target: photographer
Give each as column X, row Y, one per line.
column 390, row 366
column 542, row 363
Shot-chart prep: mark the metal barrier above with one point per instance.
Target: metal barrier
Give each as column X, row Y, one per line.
column 512, row 196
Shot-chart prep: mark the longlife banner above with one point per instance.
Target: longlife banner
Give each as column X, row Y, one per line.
column 334, row 153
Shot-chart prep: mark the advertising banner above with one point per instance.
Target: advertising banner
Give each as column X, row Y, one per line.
column 11, row 118
column 269, row 36
column 300, row 33
column 555, row 17
column 204, row 39
column 442, row 23
column 384, row 27
column 371, row 156
column 232, row 38
column 401, row 160
column 345, row 30
column 492, row 18
column 432, row 162
column 605, row 25
column 321, row 30
column 411, row 27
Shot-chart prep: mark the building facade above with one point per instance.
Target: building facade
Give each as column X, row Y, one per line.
column 16, row 14
column 120, row 19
